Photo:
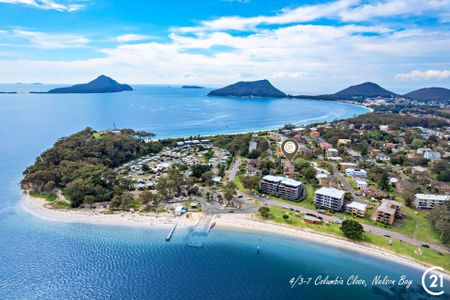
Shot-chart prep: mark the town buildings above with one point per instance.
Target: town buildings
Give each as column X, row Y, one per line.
column 356, row 209
column 281, row 186
column 429, row 200
column 387, row 211
column 330, row 198
column 356, row 173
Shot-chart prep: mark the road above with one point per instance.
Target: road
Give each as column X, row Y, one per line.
column 368, row 228
column 231, row 173
column 344, row 183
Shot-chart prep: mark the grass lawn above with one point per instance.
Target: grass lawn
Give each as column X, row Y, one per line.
column 238, row 182
column 47, row 197
column 308, row 202
column 429, row 256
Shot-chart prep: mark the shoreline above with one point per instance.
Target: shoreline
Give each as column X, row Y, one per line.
column 37, row 207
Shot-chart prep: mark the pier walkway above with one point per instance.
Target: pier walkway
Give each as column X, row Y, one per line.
column 200, row 232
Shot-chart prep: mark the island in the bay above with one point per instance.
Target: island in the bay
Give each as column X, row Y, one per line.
column 192, row 87
column 377, row 183
column 258, row 89
column 102, row 84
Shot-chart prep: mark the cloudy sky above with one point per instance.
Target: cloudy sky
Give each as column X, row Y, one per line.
column 304, row 46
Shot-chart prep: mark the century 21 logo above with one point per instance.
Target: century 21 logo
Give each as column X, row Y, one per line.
column 433, row 282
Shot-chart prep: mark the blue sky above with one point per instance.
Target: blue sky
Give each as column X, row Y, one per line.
column 301, row 46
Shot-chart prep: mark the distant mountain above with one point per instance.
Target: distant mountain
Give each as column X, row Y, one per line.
column 102, row 84
column 432, row 93
column 363, row 90
column 258, row 89
column 192, row 87
column 366, row 89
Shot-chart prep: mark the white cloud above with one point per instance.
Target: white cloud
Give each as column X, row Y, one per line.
column 300, row 55
column 133, row 37
column 287, row 16
column 424, row 75
column 385, row 9
column 16, row 37
column 344, row 10
column 47, row 4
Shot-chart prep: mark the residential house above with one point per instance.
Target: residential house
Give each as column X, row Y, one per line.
column 289, row 169
column 328, row 181
column 419, row 170
column 343, row 142
column 275, row 136
column 252, row 145
column 332, row 152
column 356, row 173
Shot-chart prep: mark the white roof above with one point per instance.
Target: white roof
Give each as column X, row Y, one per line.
column 357, row 205
column 361, row 181
column 291, row 182
column 272, row 178
column 433, row 197
column 282, row 180
column 330, row 192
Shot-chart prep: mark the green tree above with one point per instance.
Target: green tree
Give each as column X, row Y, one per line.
column 251, row 182
column 207, row 177
column 89, row 200
column 440, row 217
column 198, row 170
column 408, row 197
column 229, row 191
column 49, row 186
column 264, row 211
column 352, row 229
column 309, row 174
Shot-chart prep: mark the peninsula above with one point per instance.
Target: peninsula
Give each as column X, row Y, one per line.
column 121, row 177
column 249, row 89
column 102, row 84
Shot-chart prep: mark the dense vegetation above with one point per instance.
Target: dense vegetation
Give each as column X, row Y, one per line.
column 397, row 121
column 81, row 165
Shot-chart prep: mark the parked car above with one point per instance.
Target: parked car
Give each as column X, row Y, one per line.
column 425, row 245
column 387, row 235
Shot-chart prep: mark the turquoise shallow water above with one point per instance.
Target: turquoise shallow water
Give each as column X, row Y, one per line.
column 49, row 260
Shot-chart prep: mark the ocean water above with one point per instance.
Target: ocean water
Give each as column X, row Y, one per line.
column 41, row 259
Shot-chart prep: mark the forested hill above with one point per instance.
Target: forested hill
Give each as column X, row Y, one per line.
column 81, row 165
column 258, row 89
column 397, row 120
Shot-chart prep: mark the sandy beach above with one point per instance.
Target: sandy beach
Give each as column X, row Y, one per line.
column 38, row 207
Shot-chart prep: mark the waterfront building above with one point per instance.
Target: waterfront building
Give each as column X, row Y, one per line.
column 356, row 209
column 387, row 211
column 430, row 200
column 330, row 198
column 281, row 186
